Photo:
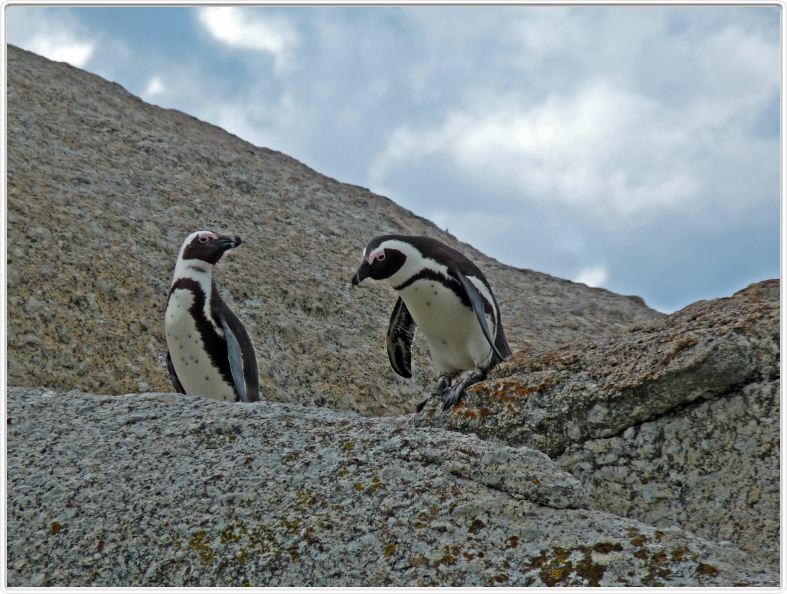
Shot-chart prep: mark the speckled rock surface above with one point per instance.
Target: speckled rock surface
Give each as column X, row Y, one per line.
column 102, row 190
column 675, row 422
column 168, row 490
column 712, row 467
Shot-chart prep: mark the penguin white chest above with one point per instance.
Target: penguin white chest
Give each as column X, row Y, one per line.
column 196, row 371
column 456, row 341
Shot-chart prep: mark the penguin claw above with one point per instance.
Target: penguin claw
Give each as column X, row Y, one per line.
column 442, row 386
column 451, row 397
column 445, row 392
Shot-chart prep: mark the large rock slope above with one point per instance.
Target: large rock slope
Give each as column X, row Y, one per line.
column 169, row 490
column 102, row 189
column 674, row 422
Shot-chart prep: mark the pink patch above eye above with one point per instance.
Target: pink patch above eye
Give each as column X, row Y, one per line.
column 374, row 256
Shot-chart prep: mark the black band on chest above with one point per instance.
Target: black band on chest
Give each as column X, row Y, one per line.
column 214, row 344
column 449, row 283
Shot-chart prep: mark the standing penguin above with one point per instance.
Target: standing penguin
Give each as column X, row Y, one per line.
column 209, row 352
column 448, row 298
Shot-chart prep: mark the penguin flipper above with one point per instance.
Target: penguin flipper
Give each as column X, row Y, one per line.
column 399, row 341
column 244, row 372
column 477, row 302
column 174, row 376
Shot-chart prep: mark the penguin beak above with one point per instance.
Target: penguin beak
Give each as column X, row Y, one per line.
column 225, row 242
column 362, row 273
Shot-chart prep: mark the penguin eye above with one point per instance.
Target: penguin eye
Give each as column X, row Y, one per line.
column 380, row 257
column 203, row 239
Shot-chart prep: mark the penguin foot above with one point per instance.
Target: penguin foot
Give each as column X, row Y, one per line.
column 452, row 396
column 442, row 386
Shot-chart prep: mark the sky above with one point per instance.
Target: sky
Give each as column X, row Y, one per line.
column 634, row 148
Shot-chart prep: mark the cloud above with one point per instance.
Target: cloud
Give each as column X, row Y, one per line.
column 603, row 148
column 609, row 145
column 60, row 38
column 155, row 87
column 62, row 47
column 594, row 276
column 243, row 29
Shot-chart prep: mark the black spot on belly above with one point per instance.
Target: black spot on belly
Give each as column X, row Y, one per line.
column 435, row 292
column 428, row 303
column 207, row 378
column 444, row 342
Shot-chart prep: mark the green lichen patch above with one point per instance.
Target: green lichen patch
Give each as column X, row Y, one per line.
column 376, row 485
column 212, row 440
column 199, row 544
column 230, row 534
column 444, row 560
column 567, row 567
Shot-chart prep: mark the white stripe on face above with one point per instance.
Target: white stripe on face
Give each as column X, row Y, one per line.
column 373, row 256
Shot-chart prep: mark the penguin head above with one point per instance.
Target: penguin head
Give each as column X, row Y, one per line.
column 207, row 246
column 383, row 258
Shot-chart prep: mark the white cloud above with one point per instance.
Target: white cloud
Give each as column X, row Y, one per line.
column 155, row 87
column 594, row 276
column 243, row 29
column 587, row 149
column 608, row 145
column 61, row 47
column 60, row 38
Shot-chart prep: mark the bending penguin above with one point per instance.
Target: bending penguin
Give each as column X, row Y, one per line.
column 448, row 298
column 209, row 352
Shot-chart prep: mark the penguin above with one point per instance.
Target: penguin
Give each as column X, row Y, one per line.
column 443, row 294
column 209, row 352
